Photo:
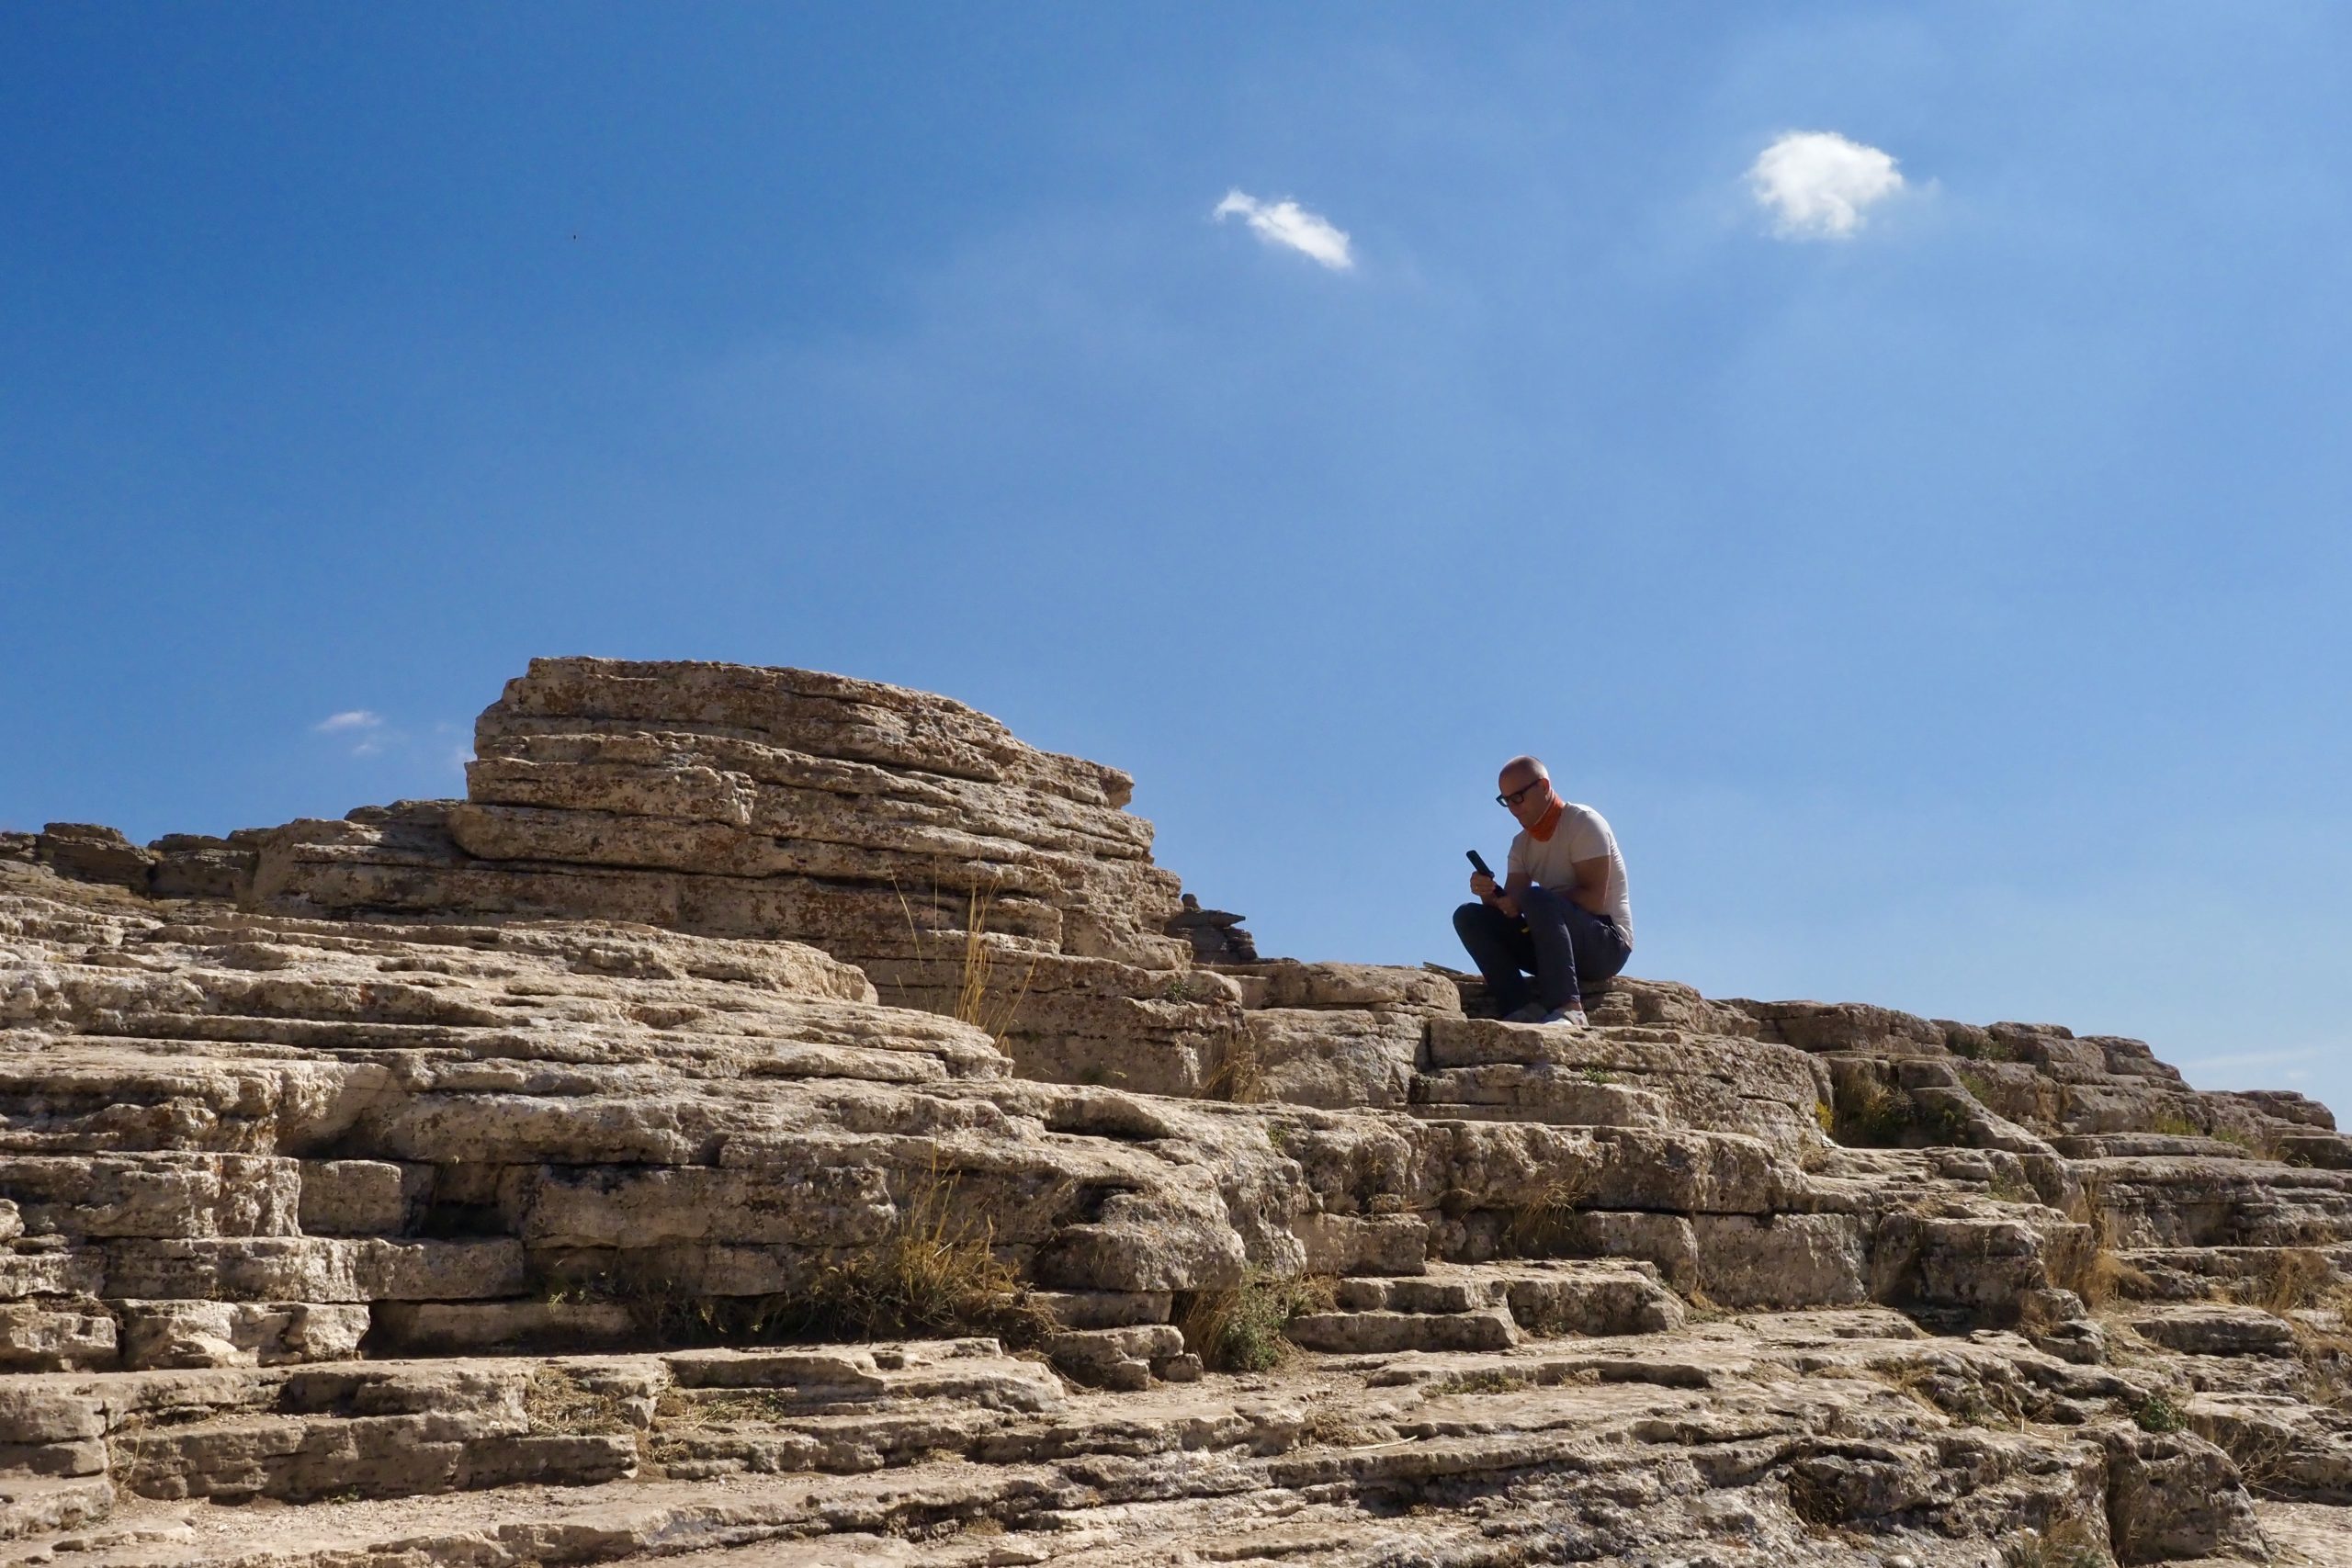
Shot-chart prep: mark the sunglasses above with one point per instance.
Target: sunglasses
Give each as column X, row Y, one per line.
column 1515, row 797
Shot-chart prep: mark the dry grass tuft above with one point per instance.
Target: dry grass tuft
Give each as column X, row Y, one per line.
column 972, row 1004
column 1238, row 1073
column 1536, row 1224
column 1240, row 1330
column 934, row 1274
column 2104, row 1276
column 1330, row 1426
column 555, row 1402
column 2298, row 1277
column 976, row 965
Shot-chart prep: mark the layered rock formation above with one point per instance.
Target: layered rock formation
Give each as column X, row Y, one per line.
column 890, row 827
column 595, row 1171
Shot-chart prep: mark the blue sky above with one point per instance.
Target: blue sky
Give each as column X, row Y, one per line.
column 1947, row 612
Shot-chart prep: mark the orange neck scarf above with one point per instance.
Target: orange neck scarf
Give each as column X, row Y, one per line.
column 1547, row 824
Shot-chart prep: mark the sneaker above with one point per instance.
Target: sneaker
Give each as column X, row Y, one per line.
column 1574, row 1015
column 1534, row 1012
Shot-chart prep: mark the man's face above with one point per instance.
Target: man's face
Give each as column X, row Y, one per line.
column 1527, row 793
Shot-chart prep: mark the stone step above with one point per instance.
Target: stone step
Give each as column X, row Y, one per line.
column 393, row 1429
column 1558, row 1095
column 1384, row 1332
column 1592, row 1298
column 2276, row 1276
column 2215, row 1330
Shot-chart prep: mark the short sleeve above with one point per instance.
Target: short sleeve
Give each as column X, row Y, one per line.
column 1516, row 861
column 1588, row 834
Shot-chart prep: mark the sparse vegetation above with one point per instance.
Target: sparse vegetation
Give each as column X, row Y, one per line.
column 1536, row 1224
column 933, row 1273
column 2159, row 1413
column 2298, row 1277
column 2104, row 1276
column 1945, row 1122
column 1240, row 1330
column 1593, row 1074
column 2008, row 1187
column 556, row 1401
column 1987, row 1050
column 1955, row 1394
column 976, row 963
column 1334, row 1428
column 2264, row 1455
column 1879, row 1117
column 2172, row 1124
column 1238, row 1073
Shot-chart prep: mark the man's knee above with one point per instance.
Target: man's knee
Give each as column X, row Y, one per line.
column 1470, row 917
column 1542, row 903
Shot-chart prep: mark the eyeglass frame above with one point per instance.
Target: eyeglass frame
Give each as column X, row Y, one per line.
column 1510, row 802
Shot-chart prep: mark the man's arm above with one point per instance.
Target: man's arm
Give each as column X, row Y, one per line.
column 1591, row 891
column 1505, row 897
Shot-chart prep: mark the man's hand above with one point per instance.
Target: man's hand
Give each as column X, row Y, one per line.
column 1483, row 886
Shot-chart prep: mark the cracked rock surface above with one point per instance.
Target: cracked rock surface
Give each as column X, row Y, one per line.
column 765, row 1123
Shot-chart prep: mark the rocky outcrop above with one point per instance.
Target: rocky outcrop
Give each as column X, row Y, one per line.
column 634, row 1161
column 902, row 831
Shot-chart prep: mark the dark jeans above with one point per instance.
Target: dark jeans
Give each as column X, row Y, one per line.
column 1564, row 945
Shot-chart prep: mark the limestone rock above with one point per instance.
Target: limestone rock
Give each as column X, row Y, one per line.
column 737, row 1007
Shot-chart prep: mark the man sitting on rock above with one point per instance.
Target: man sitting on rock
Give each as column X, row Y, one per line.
column 1562, row 914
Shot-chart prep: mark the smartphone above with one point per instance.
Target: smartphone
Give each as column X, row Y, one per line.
column 1477, row 864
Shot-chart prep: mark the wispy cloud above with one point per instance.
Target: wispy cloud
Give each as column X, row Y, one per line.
column 343, row 723
column 1818, row 185
column 1286, row 223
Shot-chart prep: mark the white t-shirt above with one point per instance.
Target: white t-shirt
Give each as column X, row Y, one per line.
column 1580, row 834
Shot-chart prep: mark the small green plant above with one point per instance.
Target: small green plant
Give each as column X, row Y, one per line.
column 2172, row 1124
column 1279, row 1136
column 2008, row 1187
column 1176, row 989
column 1880, row 1117
column 2157, row 1412
column 1944, row 1122
column 1827, row 1117
column 1240, row 1330
column 1979, row 1086
column 1598, row 1075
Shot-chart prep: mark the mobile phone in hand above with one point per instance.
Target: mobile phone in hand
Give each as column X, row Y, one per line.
column 1478, row 866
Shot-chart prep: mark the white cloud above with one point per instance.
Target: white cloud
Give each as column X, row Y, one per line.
column 1817, row 184
column 1287, row 223
column 341, row 723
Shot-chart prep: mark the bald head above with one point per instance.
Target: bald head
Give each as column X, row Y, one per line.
column 1525, row 789
column 1521, row 771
